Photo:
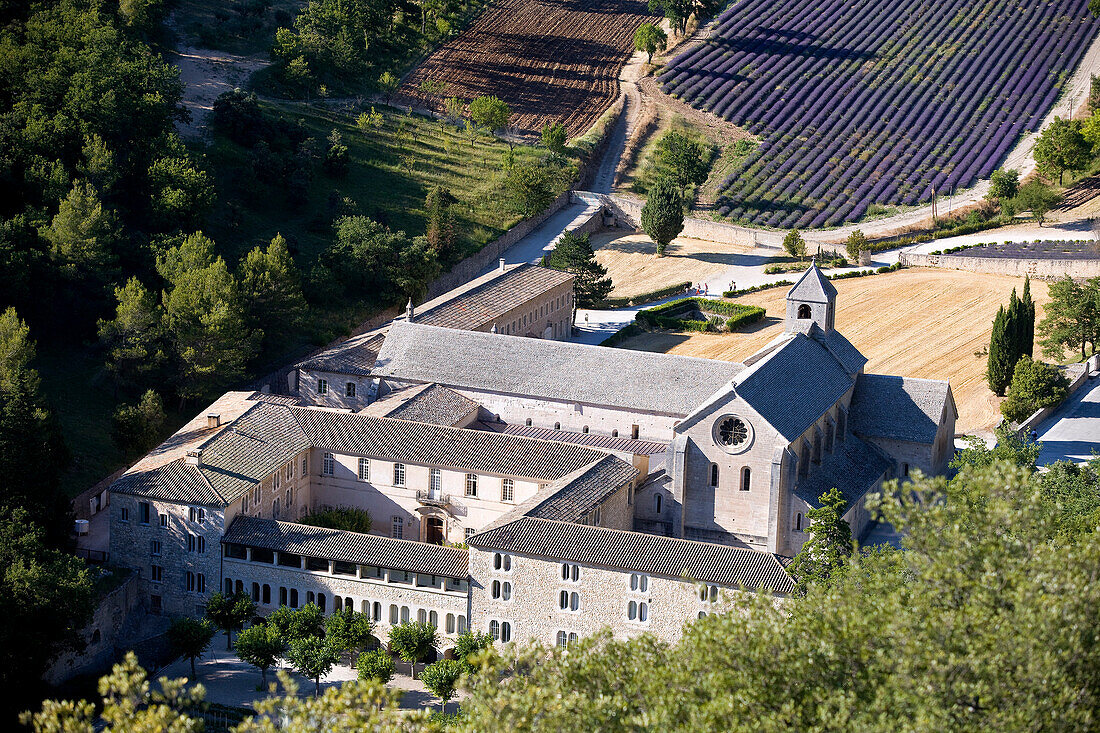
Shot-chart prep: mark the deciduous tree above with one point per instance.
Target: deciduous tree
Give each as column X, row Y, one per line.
column 830, row 543
column 529, row 189
column 229, row 613
column 260, row 645
column 490, row 112
column 794, row 244
column 1035, row 385
column 1004, row 184
column 1038, row 198
column 1061, row 147
column 190, row 637
column 1072, row 317
column 682, row 158
column 376, row 665
column 442, row 679
column 314, row 657
column 553, row 137
column 649, row 38
column 295, row 624
column 349, row 630
column 413, row 641
column 139, row 427
column 855, row 245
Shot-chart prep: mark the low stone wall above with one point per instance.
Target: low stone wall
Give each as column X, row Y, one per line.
column 103, row 634
column 1006, row 266
column 1091, row 365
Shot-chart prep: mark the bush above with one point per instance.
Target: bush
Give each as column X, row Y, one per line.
column 1035, row 385
column 667, row 315
column 646, row 297
column 347, row 519
column 442, row 678
column 470, row 643
column 756, row 288
column 752, row 316
column 413, row 641
column 375, row 665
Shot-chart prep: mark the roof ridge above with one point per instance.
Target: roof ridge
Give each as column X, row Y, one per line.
column 399, row 540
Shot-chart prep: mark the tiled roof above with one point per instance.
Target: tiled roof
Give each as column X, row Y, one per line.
column 795, row 385
column 898, row 408
column 572, row 496
column 428, row 403
column 812, row 287
column 474, row 450
column 275, row 399
column 558, row 370
column 623, row 445
column 354, row 356
column 854, row 467
column 669, row 557
column 847, row 354
column 254, row 447
column 363, row 549
column 490, row 297
column 176, row 481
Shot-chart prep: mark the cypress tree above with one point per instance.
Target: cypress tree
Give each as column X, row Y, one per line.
column 1027, row 321
column 999, row 369
column 1012, row 329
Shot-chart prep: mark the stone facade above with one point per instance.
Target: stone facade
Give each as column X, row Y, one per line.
column 537, row 592
column 316, row 387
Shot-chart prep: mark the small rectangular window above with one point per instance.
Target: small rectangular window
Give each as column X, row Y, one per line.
column 144, row 512
column 398, row 528
column 328, row 467
column 124, row 514
column 322, row 386
column 164, row 519
column 364, row 469
column 349, row 389
column 156, row 548
column 469, row 532
column 471, row 484
column 305, row 465
column 157, row 574
column 399, row 474
column 507, row 490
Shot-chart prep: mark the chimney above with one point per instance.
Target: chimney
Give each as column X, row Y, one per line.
column 409, row 311
column 194, row 457
column 213, row 420
column 501, row 264
column 493, row 329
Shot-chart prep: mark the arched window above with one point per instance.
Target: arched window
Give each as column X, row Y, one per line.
column 96, row 636
column 450, row 623
column 714, row 474
column 494, row 630
column 377, row 611
column 266, row 596
column 433, row 619
column 746, row 478
column 798, row 522
column 393, row 615
column 817, row 446
column 528, row 422
column 404, row 614
column 557, row 426
column 658, row 503
column 614, row 433
column 337, row 603
column 584, row 429
column 422, row 616
column 804, row 311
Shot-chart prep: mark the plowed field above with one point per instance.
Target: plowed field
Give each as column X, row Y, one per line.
column 550, row 60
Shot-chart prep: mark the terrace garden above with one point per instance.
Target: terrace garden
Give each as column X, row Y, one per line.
column 861, row 105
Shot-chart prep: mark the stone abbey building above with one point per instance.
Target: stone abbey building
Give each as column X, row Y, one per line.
column 526, row 487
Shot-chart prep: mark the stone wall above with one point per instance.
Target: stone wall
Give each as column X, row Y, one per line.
column 1091, row 365
column 102, row 634
column 1006, row 266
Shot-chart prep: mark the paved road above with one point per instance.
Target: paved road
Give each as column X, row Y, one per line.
column 1073, row 432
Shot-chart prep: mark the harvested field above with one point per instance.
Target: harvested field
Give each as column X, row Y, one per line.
column 918, row 323
column 633, row 266
column 550, row 60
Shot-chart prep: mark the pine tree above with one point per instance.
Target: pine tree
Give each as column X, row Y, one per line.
column 574, row 254
column 999, row 368
column 271, row 290
column 134, row 339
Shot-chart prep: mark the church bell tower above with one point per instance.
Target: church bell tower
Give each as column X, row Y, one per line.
column 812, row 299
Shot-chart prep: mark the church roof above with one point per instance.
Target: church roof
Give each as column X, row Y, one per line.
column 482, row 301
column 847, row 354
column 794, row 385
column 854, row 467
column 812, row 287
column 668, row 557
column 898, row 408
column 603, row 442
column 352, row 547
column 556, row 370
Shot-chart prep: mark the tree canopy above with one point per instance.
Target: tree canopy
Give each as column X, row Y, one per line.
column 573, row 253
column 663, row 213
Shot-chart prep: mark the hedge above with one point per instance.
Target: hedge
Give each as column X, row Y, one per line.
column 631, row 329
column 664, row 316
column 756, row 288
column 646, row 297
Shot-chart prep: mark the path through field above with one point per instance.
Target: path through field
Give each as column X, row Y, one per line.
column 915, row 322
column 205, row 75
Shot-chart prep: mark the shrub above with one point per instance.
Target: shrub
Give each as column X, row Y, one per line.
column 646, row 297
column 470, row 643
column 348, row 519
column 442, row 678
column 1035, row 385
column 375, row 665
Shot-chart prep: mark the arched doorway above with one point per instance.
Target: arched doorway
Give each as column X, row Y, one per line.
column 804, row 311
column 433, row 531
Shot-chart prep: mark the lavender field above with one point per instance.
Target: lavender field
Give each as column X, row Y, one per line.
column 871, row 102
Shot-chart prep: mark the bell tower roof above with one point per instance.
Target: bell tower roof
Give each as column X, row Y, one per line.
column 812, row 287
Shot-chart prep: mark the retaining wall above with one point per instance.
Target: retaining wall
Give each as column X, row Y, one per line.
column 1006, row 266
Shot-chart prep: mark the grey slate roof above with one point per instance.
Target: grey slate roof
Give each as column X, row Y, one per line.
column 812, row 287
column 354, row 356
column 493, row 295
column 604, row 442
column 573, row 496
column 254, row 447
column 432, row 404
column 363, row 549
column 475, row 450
column 638, row 552
column 558, row 370
column 854, row 467
column 795, row 385
column 898, row 408
column 847, row 354
column 176, row 481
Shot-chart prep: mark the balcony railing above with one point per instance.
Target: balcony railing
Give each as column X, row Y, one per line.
column 429, row 498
